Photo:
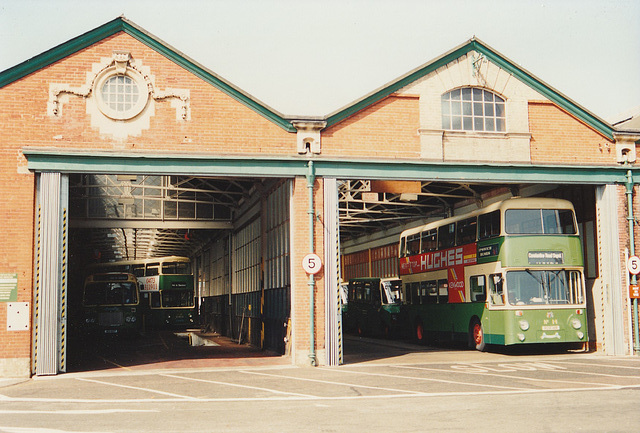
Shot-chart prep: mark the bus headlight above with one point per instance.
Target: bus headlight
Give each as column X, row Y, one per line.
column 580, row 335
column 133, row 319
column 524, row 325
column 577, row 324
column 521, row 337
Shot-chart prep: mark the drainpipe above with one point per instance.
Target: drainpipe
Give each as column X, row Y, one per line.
column 312, row 346
column 632, row 252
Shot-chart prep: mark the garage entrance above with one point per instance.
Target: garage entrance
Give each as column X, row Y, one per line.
column 229, row 234
column 374, row 212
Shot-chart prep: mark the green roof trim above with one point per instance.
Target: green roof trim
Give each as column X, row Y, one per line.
column 70, row 161
column 121, row 24
column 474, row 44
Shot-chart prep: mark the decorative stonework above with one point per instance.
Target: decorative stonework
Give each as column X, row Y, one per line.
column 120, row 94
column 308, row 136
column 476, row 71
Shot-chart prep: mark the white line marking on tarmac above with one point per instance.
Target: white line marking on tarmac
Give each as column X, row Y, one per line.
column 531, row 379
column 426, row 379
column 329, row 382
column 597, row 365
column 185, row 397
column 78, row 411
column 239, row 386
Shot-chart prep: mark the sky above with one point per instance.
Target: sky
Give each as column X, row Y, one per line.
column 304, row 57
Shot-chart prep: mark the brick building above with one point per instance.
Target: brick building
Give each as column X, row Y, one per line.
column 63, row 121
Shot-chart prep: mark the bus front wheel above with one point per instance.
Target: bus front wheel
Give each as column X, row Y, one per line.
column 476, row 335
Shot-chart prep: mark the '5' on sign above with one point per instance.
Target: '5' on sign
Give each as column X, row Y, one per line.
column 633, row 265
column 311, row 264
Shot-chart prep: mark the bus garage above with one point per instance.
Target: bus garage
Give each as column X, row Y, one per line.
column 118, row 148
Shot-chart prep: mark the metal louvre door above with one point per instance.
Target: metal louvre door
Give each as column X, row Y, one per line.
column 333, row 315
column 50, row 283
column 612, row 303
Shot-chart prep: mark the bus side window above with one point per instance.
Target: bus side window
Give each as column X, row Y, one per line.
column 403, row 252
column 466, row 231
column 367, row 292
column 407, row 291
column 155, row 299
column 489, row 225
column 430, row 289
column 415, row 293
column 376, row 298
column 152, row 269
column 495, row 289
column 138, row 270
column 429, row 241
column 413, row 244
column 446, row 236
column 443, row 291
column 478, row 288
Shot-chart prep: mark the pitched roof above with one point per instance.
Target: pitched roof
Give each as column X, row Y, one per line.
column 492, row 55
column 121, row 24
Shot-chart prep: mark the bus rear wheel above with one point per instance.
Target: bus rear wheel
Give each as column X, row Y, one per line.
column 419, row 333
column 476, row 335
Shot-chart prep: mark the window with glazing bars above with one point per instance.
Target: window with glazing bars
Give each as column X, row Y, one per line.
column 473, row 109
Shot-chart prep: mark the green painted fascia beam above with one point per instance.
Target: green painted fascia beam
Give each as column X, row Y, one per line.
column 136, row 163
column 45, row 160
column 121, row 24
column 472, row 172
column 476, row 45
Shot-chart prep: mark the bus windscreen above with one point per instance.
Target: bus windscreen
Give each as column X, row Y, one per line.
column 110, row 293
column 551, row 287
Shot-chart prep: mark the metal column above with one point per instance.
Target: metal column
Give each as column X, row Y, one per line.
column 50, row 285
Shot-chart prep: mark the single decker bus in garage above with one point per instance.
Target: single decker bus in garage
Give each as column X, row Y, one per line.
column 166, row 289
column 507, row 274
column 111, row 304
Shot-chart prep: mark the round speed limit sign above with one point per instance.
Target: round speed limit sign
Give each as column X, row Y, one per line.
column 633, row 265
column 311, row 264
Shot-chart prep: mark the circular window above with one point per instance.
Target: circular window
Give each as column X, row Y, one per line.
column 121, row 96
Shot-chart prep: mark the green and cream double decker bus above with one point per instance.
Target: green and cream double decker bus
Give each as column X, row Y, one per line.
column 166, row 289
column 508, row 274
column 373, row 306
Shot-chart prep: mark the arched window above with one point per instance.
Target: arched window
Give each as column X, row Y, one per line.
column 473, row 109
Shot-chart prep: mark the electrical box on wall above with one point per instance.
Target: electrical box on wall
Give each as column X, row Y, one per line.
column 18, row 316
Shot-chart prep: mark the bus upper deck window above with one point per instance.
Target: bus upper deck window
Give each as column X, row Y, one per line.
column 539, row 221
column 153, row 269
column 446, row 236
column 489, row 225
column 429, row 241
column 413, row 244
column 466, row 231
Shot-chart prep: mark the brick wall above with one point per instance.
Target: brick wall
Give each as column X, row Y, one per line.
column 387, row 129
column 300, row 299
column 559, row 138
